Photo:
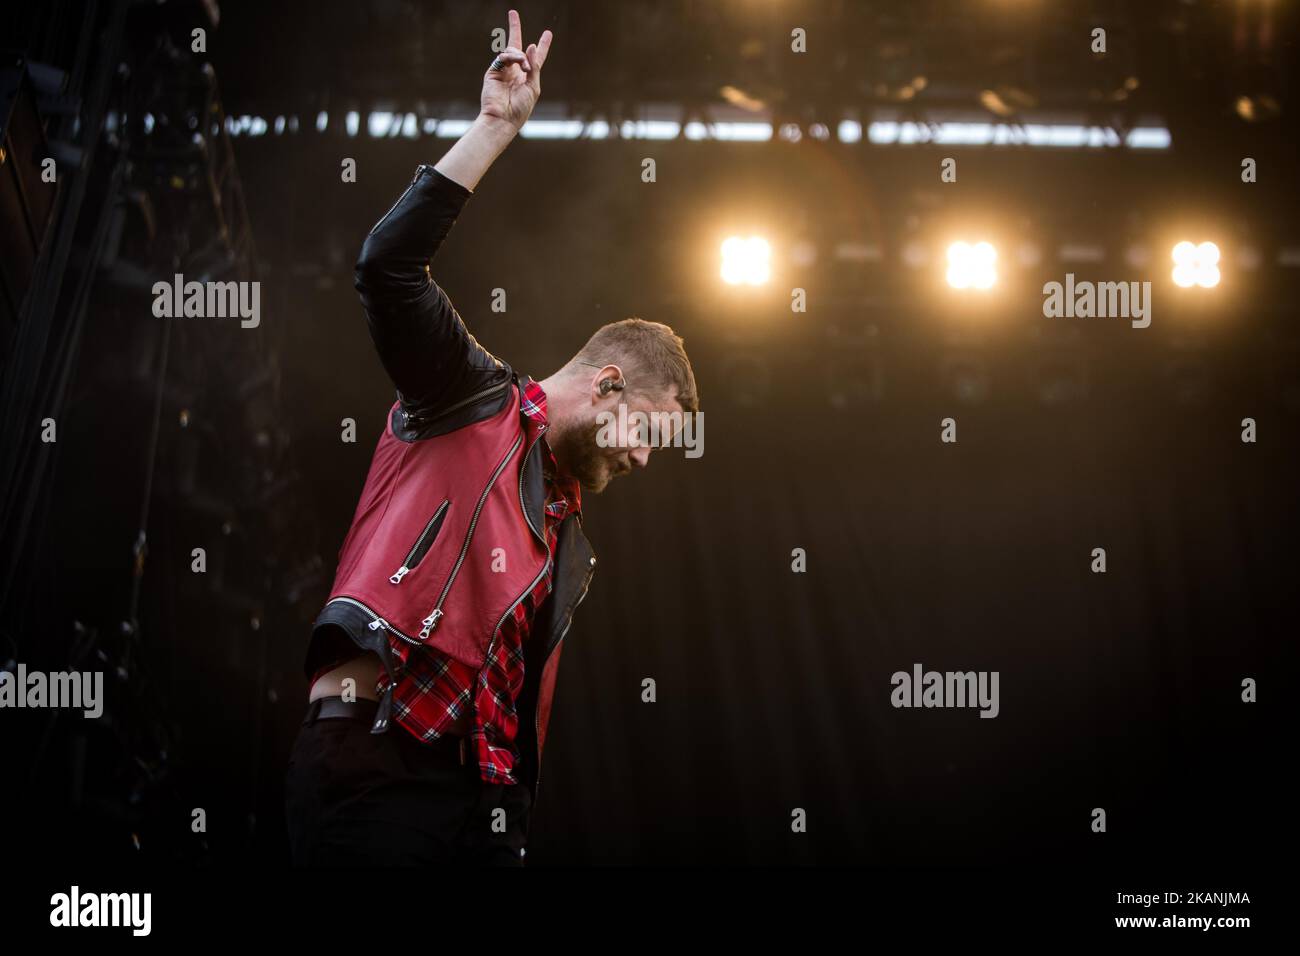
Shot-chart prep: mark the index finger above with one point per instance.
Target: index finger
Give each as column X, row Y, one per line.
column 516, row 30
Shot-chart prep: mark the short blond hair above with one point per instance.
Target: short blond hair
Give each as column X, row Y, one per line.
column 651, row 354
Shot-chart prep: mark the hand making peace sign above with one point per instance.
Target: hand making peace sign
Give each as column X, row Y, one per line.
column 513, row 83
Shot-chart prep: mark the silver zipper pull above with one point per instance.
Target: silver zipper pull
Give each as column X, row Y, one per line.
column 377, row 623
column 430, row 623
column 402, row 572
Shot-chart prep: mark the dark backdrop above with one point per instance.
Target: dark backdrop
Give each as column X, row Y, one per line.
column 1119, row 690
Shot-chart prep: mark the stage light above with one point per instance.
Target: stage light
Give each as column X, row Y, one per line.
column 655, row 129
column 972, row 266
column 1196, row 265
column 746, row 261
column 452, row 128
column 1034, row 135
column 552, row 129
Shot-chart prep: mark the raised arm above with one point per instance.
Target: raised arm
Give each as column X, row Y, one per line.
column 511, row 87
column 421, row 340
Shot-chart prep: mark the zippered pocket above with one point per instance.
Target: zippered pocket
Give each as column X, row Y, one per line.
column 422, row 543
column 431, row 622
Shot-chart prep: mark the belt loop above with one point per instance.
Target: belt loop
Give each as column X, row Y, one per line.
column 462, row 751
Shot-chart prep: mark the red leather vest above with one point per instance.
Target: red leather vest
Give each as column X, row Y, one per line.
column 440, row 548
column 446, row 539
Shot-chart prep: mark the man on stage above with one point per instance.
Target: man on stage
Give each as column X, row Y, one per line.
column 433, row 662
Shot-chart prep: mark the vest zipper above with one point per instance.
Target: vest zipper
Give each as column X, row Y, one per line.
column 435, row 615
column 378, row 621
column 416, row 554
column 419, row 421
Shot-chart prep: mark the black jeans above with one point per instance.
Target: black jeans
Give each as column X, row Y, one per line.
column 353, row 798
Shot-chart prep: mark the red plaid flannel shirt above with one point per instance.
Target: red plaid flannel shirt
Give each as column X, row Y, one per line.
column 436, row 695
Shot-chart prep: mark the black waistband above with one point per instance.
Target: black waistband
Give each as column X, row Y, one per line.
column 363, row 711
column 336, row 708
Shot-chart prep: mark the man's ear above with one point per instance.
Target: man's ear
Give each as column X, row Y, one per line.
column 606, row 382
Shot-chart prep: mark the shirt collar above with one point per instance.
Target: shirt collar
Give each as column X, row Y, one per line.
column 532, row 401
column 565, row 495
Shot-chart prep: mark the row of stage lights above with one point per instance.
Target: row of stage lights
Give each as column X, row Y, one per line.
column 386, row 124
column 747, row 260
column 974, row 266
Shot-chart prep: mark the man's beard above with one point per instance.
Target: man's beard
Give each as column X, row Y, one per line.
column 578, row 455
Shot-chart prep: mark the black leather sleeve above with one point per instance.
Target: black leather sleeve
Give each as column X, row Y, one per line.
column 422, row 342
